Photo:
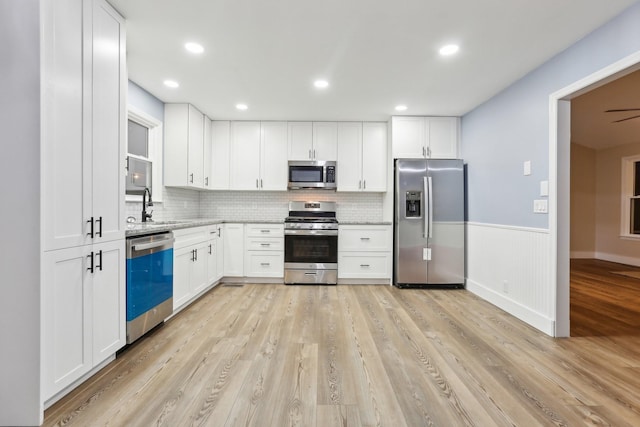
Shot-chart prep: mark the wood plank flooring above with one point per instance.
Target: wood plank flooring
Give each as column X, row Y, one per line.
column 275, row 355
column 603, row 303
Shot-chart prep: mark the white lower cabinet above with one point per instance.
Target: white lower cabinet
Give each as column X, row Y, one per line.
column 84, row 311
column 215, row 254
column 194, row 263
column 264, row 250
column 233, row 250
column 364, row 252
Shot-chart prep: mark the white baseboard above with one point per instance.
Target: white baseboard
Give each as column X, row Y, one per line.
column 537, row 320
column 582, row 255
column 621, row 259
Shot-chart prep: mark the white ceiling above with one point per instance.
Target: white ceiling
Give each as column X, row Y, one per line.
column 592, row 127
column 376, row 54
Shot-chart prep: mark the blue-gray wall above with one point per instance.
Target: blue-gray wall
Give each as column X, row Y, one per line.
column 146, row 102
column 513, row 126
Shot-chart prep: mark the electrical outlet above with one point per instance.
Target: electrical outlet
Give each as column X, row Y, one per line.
column 527, row 168
column 505, row 286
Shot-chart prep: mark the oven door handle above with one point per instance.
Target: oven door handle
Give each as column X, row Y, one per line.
column 310, row 232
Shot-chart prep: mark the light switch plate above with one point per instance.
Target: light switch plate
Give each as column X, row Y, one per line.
column 527, row 167
column 540, row 206
column 544, row 188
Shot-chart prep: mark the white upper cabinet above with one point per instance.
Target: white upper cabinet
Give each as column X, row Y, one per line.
column 183, row 146
column 425, row 137
column 207, row 153
column 83, row 124
column 300, row 140
column 349, row 173
column 313, row 140
column 220, row 151
column 374, row 157
column 245, row 156
column 258, row 156
column 273, row 156
column 362, row 156
column 325, row 141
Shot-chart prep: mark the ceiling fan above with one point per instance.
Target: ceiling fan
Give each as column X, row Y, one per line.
column 623, row 110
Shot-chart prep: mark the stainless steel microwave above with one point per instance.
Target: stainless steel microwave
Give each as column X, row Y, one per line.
column 308, row 174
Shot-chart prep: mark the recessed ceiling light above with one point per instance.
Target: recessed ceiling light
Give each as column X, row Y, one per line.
column 242, row 106
column 449, row 49
column 171, row 83
column 401, row 107
column 194, row 47
column 321, row 84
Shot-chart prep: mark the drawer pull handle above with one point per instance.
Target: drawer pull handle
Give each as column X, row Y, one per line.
column 265, row 244
column 364, row 265
column 365, row 238
column 265, row 264
column 265, row 231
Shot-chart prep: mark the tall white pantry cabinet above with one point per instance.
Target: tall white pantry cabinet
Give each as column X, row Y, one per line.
column 83, row 170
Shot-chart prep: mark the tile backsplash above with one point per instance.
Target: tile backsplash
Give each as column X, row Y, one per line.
column 256, row 205
column 177, row 203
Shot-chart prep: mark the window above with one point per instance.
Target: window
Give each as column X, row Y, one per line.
column 630, row 218
column 144, row 142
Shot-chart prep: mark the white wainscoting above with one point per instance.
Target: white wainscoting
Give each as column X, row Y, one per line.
column 510, row 267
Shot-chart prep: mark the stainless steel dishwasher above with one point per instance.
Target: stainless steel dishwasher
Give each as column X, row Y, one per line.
column 149, row 282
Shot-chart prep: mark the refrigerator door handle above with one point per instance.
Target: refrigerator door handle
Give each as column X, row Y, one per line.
column 430, row 213
column 427, row 207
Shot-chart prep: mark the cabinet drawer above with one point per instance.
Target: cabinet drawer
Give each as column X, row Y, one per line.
column 264, row 230
column 190, row 236
column 264, row 264
column 266, row 244
column 364, row 265
column 364, row 238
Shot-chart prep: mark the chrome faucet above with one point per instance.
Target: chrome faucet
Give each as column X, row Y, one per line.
column 146, row 216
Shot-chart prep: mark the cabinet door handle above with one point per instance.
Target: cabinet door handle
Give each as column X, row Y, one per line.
column 210, row 250
column 424, row 152
column 261, row 186
column 360, row 185
column 364, row 184
column 99, row 232
column 219, row 231
column 99, row 266
column 257, row 183
column 310, row 155
column 428, row 151
column 314, row 153
column 191, row 178
column 90, row 233
column 90, row 268
column 206, row 181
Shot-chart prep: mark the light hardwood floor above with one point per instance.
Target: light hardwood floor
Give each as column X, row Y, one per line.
column 275, row 355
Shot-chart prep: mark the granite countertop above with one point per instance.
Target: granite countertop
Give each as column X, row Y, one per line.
column 153, row 227
column 365, row 222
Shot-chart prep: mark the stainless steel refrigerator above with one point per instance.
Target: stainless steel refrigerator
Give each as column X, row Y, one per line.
column 428, row 247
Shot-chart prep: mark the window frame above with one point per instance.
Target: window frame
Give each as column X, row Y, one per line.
column 155, row 151
column 626, row 194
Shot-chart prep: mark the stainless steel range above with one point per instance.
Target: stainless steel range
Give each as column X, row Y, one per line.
column 311, row 244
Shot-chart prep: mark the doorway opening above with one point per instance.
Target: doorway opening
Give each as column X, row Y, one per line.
column 560, row 179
